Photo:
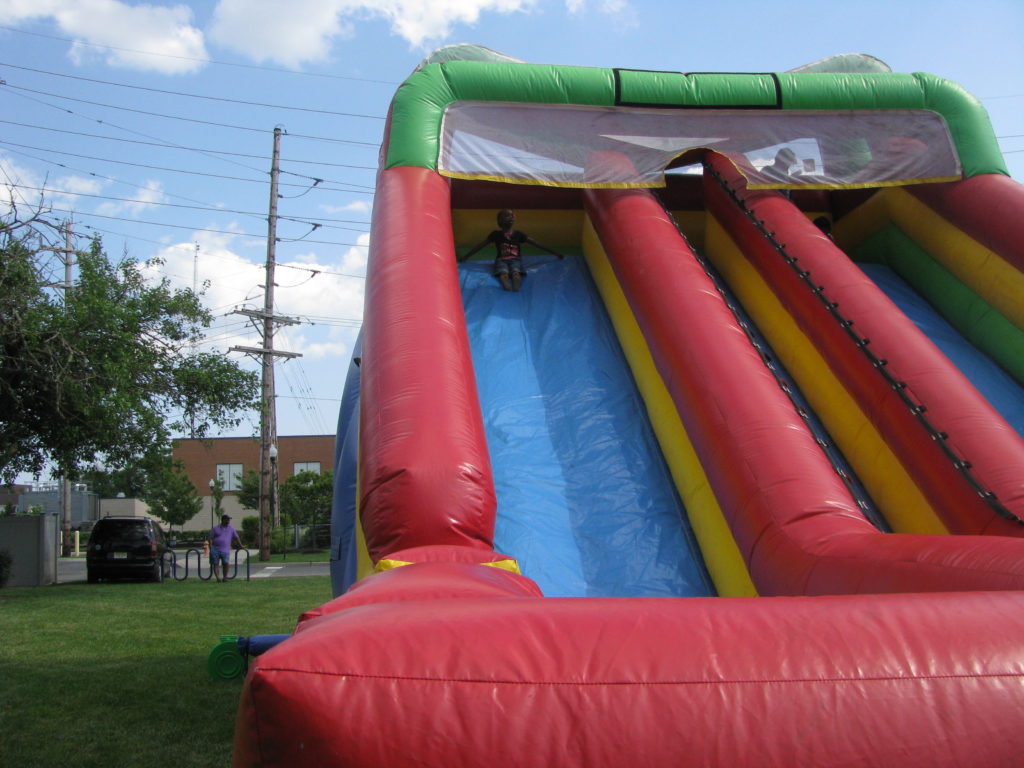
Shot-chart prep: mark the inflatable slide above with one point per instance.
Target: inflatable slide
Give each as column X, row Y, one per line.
column 737, row 480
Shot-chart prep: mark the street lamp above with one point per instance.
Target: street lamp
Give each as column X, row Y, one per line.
column 274, row 514
column 216, row 494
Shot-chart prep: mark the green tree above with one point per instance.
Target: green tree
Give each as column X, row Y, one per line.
column 250, row 531
column 110, row 369
column 171, row 496
column 248, row 493
column 131, row 479
column 307, row 497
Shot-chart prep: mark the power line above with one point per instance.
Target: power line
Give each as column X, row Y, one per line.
column 105, row 178
column 173, row 117
column 215, row 231
column 221, row 99
column 326, row 271
column 191, row 149
column 127, row 130
column 170, row 144
column 307, row 187
column 215, row 209
column 337, row 322
column 189, row 246
column 162, row 168
column 309, row 220
column 203, row 61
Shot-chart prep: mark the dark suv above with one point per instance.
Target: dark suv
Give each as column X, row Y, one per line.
column 127, row 547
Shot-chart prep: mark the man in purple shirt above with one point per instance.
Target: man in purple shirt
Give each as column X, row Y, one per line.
column 220, row 546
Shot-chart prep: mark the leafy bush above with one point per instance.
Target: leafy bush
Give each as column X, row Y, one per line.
column 279, row 541
column 315, row 537
column 250, row 531
column 5, row 567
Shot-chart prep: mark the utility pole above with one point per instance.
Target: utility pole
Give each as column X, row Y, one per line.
column 195, row 292
column 267, row 353
column 65, row 484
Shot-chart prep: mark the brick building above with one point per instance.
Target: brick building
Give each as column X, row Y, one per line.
column 228, row 458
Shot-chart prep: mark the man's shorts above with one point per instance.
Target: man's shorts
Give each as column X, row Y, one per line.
column 217, row 556
column 508, row 266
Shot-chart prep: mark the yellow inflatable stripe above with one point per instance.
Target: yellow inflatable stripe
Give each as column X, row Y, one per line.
column 364, row 563
column 692, row 224
column 386, row 564
column 866, row 220
column 864, row 185
column 556, row 228
column 994, row 279
column 548, row 182
column 721, row 555
column 897, row 496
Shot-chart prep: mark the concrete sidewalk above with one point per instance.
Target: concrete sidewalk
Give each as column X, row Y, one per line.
column 73, row 569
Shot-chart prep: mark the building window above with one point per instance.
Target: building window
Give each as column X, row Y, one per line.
column 307, row 466
column 230, row 476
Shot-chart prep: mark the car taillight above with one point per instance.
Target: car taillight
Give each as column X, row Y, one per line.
column 152, row 548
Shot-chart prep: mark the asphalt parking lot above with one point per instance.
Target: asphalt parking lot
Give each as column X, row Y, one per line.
column 72, row 569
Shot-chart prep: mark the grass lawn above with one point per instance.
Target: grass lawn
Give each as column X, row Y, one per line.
column 115, row 674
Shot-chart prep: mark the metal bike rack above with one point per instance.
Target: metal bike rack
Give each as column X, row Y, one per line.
column 199, row 565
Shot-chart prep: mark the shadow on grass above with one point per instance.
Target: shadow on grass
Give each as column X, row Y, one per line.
column 115, row 674
column 118, row 709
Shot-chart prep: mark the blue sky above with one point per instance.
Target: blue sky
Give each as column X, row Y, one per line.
column 160, row 117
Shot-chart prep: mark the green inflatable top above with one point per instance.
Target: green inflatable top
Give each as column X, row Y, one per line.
column 467, row 102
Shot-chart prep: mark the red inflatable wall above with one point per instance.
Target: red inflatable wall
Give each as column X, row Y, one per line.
column 928, row 680
column 986, row 207
column 792, row 517
column 975, row 432
column 454, row 660
column 424, row 471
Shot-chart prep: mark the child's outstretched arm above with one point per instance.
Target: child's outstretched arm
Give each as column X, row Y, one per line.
column 543, row 247
column 472, row 251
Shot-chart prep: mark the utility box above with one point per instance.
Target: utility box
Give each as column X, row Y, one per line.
column 31, row 540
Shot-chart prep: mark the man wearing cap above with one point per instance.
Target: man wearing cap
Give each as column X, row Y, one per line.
column 220, row 546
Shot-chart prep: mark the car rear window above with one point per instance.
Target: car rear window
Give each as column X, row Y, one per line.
column 120, row 530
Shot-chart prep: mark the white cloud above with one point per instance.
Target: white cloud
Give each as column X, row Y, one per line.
column 80, row 184
column 421, row 21
column 325, row 302
column 353, row 261
column 12, row 176
column 358, row 206
column 317, row 350
column 303, row 30
column 127, row 29
column 142, row 198
column 21, row 186
column 55, row 191
column 288, row 33
column 604, row 6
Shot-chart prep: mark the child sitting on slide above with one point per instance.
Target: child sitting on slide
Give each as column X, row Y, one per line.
column 508, row 262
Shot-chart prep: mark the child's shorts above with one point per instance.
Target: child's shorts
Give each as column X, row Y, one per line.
column 508, row 266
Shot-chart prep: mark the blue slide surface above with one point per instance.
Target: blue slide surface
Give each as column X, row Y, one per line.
column 586, row 503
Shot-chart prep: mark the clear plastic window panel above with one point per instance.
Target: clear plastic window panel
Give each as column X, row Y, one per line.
column 565, row 145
